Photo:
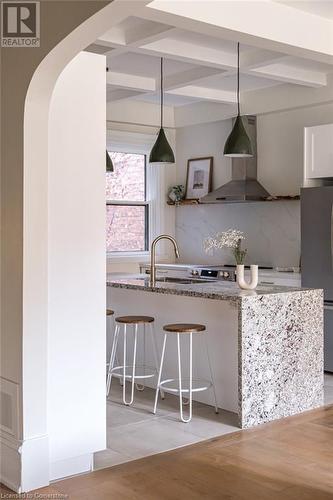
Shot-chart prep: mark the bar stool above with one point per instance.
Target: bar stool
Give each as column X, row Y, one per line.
column 120, row 371
column 184, row 329
column 109, row 315
column 109, row 326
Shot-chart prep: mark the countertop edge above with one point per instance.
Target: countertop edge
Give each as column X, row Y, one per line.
column 244, row 295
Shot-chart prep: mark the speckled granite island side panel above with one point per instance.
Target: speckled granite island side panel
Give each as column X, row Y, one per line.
column 280, row 355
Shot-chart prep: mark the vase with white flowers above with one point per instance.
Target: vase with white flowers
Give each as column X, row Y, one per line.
column 232, row 238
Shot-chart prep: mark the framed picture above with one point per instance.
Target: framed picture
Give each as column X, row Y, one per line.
column 199, row 177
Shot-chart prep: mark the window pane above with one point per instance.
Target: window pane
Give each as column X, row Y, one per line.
column 127, row 182
column 125, row 226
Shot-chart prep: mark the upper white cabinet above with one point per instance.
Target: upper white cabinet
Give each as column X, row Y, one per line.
column 318, row 152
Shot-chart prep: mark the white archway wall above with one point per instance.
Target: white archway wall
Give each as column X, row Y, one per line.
column 24, row 445
column 36, row 256
column 77, row 268
column 17, row 68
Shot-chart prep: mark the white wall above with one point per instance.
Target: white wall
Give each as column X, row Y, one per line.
column 272, row 229
column 204, row 140
column 280, row 146
column 76, row 359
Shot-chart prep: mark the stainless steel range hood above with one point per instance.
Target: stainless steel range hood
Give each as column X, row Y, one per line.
column 244, row 186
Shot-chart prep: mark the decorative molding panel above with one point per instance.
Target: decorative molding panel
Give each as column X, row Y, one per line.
column 10, row 445
column 9, row 407
column 10, row 462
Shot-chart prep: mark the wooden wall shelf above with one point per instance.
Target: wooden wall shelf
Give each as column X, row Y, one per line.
column 270, row 198
column 183, row 202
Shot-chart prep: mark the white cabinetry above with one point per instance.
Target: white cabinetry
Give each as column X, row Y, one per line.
column 318, row 152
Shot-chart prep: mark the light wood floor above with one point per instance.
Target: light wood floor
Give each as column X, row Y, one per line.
column 287, row 460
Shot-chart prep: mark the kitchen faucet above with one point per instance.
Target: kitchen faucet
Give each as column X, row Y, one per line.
column 153, row 255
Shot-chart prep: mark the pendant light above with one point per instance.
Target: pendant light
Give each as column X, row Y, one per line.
column 109, row 164
column 161, row 151
column 238, row 144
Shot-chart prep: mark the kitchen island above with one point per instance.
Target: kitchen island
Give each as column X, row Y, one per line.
column 266, row 345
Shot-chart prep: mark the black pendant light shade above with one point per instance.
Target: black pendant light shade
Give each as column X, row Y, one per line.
column 109, row 164
column 161, row 151
column 238, row 144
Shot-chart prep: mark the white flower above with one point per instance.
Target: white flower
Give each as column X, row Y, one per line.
column 226, row 239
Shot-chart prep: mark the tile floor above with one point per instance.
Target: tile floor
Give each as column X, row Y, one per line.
column 134, row 432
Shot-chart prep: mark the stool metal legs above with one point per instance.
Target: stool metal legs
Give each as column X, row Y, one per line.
column 211, row 377
column 112, row 359
column 160, row 373
column 131, row 372
column 133, row 366
column 181, row 391
column 154, row 346
column 185, row 420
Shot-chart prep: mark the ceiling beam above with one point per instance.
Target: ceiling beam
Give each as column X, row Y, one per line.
column 190, row 77
column 120, row 94
column 128, row 81
column 148, row 34
column 203, row 93
column 142, row 32
column 252, row 59
column 191, row 53
column 291, row 74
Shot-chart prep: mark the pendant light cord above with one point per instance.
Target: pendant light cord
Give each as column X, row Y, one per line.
column 238, row 100
column 161, row 92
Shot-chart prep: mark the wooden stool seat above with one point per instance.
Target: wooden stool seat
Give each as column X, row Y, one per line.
column 184, row 328
column 109, row 312
column 132, row 320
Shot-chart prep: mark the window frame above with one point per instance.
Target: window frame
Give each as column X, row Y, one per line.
column 129, row 203
column 118, row 139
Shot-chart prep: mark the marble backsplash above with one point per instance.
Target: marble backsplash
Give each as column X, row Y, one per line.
column 272, row 231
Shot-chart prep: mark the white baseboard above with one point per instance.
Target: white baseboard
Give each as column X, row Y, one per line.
column 35, row 463
column 71, row 466
column 24, row 464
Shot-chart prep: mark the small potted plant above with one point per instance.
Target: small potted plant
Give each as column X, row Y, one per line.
column 232, row 238
column 176, row 193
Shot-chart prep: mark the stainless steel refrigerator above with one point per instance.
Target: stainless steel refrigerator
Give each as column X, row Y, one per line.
column 317, row 254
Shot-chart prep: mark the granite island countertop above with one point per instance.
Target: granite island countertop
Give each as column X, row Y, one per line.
column 218, row 290
column 278, row 332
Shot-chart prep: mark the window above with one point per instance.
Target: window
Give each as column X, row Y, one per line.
column 127, row 208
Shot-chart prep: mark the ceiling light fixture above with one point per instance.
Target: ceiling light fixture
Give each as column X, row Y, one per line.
column 238, row 144
column 161, row 151
column 109, row 164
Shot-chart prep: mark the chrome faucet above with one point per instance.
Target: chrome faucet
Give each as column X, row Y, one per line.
column 153, row 255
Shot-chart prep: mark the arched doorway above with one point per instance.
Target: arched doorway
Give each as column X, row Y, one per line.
column 34, row 450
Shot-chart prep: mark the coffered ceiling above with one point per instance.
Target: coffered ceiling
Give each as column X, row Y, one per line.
column 198, row 67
